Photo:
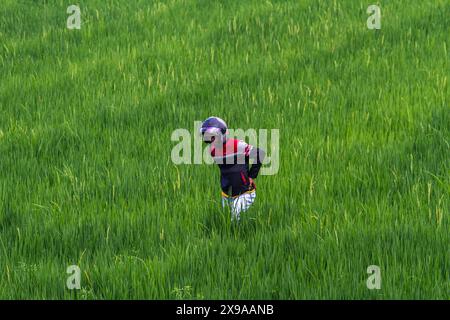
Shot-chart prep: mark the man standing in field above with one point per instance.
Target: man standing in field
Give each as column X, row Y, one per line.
column 233, row 158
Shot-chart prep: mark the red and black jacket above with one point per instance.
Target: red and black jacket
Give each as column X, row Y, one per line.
column 233, row 158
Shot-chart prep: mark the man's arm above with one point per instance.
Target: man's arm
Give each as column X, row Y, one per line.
column 257, row 155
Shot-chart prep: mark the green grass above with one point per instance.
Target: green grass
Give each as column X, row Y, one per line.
column 85, row 171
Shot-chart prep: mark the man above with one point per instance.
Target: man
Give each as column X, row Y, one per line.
column 233, row 158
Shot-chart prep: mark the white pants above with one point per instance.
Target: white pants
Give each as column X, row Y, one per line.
column 239, row 204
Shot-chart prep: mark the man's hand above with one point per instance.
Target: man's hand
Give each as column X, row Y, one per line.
column 252, row 183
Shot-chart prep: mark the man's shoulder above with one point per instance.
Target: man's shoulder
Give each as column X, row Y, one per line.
column 232, row 146
column 236, row 142
column 240, row 146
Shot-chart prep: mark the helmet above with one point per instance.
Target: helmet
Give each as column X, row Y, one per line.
column 212, row 129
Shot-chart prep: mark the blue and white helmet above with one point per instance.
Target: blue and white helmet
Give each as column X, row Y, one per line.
column 212, row 129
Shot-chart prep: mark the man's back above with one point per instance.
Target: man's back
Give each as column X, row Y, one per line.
column 233, row 159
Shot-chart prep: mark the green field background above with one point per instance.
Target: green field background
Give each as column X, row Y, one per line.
column 86, row 176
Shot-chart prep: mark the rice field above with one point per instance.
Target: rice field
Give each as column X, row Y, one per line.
column 86, row 176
